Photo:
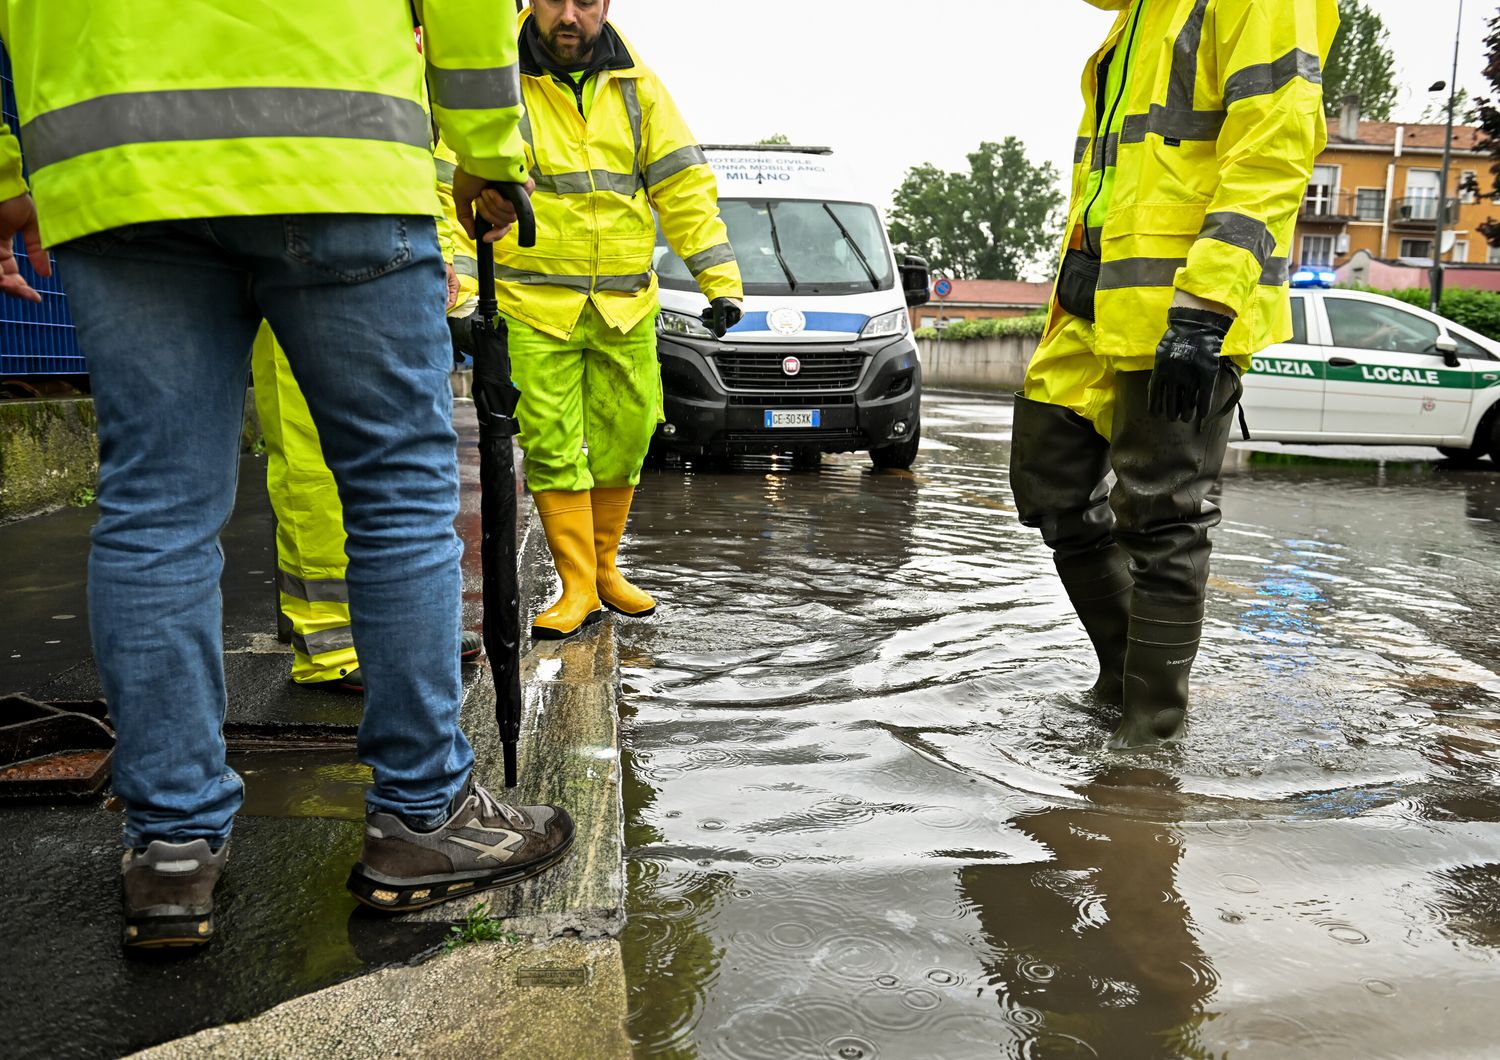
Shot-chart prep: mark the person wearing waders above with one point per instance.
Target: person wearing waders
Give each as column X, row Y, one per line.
column 288, row 181
column 1202, row 119
column 607, row 147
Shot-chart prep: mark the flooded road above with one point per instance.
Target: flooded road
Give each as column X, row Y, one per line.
column 870, row 816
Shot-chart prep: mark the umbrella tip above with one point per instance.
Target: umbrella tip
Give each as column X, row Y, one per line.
column 509, row 747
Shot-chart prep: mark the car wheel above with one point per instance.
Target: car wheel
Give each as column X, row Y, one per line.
column 1494, row 446
column 1463, row 457
column 902, row 455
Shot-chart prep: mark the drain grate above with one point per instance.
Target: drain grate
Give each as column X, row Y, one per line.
column 53, row 750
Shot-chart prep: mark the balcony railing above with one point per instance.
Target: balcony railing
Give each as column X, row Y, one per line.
column 1322, row 205
column 1421, row 210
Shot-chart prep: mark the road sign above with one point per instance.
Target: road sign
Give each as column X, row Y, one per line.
column 943, row 288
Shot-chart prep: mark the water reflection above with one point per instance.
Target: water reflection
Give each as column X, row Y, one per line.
column 1094, row 950
column 869, row 816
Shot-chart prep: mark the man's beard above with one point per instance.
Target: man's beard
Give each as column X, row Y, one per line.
column 570, row 51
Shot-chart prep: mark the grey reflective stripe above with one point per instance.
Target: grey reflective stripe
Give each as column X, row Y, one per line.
column 323, row 641
column 633, row 111
column 1081, row 149
column 563, row 183
column 126, row 118
column 585, row 284
column 313, row 590
column 1162, row 272
column 466, row 266
column 1173, row 124
column 526, row 130
column 495, row 88
column 1267, row 78
column 1139, row 272
column 1096, row 237
column 669, row 166
column 1240, row 231
column 445, row 170
column 1182, row 89
column 583, row 183
column 700, row 263
column 1109, row 155
column 1276, row 273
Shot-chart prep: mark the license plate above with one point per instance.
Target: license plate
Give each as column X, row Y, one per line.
column 793, row 418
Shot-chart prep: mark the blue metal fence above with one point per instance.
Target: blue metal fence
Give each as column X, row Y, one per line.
column 35, row 338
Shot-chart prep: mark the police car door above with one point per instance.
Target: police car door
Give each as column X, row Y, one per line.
column 1386, row 375
column 1284, row 387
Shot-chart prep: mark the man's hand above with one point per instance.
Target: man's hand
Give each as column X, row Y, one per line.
column 469, row 190
column 1187, row 364
column 19, row 215
column 452, row 286
column 721, row 315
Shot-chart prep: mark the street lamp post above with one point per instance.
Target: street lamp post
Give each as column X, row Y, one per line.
column 1442, row 204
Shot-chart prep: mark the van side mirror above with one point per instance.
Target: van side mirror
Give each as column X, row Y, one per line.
column 1448, row 347
column 916, row 280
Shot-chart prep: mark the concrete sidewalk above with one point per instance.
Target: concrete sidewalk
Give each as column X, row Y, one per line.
column 298, row 967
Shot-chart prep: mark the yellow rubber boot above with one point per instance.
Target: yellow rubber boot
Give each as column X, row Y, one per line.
column 568, row 519
column 611, row 510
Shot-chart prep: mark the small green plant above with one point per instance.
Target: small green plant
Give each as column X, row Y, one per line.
column 479, row 926
column 1028, row 327
column 83, row 496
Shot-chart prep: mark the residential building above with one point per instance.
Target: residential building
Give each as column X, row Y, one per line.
column 1375, row 188
column 983, row 300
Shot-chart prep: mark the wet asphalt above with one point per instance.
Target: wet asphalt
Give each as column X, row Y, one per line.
column 869, row 814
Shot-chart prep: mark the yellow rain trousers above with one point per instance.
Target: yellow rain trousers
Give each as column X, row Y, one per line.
column 310, row 556
column 1215, row 131
column 599, row 389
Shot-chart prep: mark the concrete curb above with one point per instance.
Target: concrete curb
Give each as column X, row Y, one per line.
column 558, row 992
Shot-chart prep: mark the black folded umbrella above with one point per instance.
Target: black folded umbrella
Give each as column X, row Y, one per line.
column 496, row 397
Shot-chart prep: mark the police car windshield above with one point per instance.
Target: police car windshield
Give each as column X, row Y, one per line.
column 813, row 246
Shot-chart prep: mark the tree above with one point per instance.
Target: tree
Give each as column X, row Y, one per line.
column 990, row 223
column 1361, row 64
column 776, row 139
column 1487, row 117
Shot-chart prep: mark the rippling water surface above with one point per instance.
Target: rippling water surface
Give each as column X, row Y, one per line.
column 869, row 816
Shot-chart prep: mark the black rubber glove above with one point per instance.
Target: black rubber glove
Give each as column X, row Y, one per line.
column 721, row 315
column 1187, row 364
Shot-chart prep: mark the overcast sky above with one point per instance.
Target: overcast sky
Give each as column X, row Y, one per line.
column 891, row 84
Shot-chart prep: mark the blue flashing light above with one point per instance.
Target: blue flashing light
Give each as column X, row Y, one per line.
column 1314, row 277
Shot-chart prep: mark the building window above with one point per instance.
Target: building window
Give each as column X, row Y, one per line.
column 1370, row 204
column 1416, row 248
column 1317, row 250
column 1460, row 251
column 1494, row 256
column 1322, row 192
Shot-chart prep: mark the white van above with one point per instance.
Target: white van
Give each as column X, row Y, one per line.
column 1366, row 369
column 823, row 361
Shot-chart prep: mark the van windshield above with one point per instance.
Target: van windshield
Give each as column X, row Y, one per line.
column 816, row 256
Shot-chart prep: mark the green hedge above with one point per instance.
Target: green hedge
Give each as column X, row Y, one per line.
column 1476, row 310
column 1027, row 327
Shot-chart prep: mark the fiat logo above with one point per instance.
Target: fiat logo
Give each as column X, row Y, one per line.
column 791, row 366
column 786, row 321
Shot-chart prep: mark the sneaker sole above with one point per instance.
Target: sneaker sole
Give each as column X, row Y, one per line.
column 179, row 933
column 393, row 898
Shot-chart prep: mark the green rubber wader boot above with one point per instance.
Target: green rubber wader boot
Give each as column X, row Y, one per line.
column 1058, row 470
column 1164, row 471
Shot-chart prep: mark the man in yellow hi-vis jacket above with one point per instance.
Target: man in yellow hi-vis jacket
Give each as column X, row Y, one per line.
column 1202, row 120
column 606, row 146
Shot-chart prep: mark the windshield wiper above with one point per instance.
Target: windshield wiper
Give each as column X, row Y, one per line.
column 860, row 254
column 776, row 245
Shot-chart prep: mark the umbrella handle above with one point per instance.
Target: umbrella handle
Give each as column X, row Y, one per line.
column 516, row 195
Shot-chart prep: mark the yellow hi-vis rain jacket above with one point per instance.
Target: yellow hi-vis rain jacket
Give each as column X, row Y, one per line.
column 1223, row 120
column 166, row 109
column 597, row 182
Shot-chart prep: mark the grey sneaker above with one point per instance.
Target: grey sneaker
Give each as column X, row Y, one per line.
column 169, row 893
column 485, row 844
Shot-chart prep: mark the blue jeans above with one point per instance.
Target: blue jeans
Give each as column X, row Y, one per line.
column 167, row 313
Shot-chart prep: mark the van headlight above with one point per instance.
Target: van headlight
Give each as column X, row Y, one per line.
column 670, row 323
column 887, row 326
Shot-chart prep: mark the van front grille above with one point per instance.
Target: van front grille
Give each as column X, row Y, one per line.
column 763, row 370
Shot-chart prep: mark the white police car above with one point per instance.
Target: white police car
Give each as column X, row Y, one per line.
column 1369, row 370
